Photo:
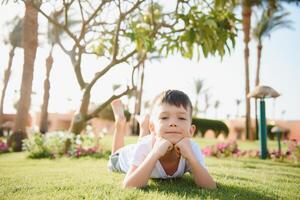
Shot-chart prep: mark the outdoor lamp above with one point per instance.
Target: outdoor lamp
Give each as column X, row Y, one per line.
column 262, row 92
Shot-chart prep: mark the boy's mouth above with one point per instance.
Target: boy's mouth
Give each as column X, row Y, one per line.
column 172, row 132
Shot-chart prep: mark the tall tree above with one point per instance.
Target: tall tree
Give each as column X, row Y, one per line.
column 246, row 22
column 138, row 97
column 44, row 107
column 136, row 28
column 30, row 42
column 15, row 40
column 53, row 33
column 270, row 20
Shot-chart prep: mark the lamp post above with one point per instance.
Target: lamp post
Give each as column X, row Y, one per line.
column 261, row 93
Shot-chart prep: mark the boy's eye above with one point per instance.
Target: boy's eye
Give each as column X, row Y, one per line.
column 182, row 118
column 163, row 117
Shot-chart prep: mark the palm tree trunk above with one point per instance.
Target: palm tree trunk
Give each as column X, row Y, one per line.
column 257, row 78
column 44, row 109
column 6, row 79
column 257, row 82
column 30, row 41
column 246, row 13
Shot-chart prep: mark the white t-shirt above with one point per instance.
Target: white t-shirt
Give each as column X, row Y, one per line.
column 136, row 153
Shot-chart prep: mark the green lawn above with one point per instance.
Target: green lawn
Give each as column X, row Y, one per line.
column 88, row 178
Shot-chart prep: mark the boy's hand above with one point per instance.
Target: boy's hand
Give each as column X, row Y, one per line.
column 161, row 146
column 184, row 148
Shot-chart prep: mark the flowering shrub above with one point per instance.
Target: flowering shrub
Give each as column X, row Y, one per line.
column 3, row 146
column 228, row 149
column 57, row 144
column 85, row 145
column 36, row 146
column 293, row 152
column 221, row 149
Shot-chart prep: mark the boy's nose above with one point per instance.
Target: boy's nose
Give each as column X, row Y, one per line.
column 172, row 124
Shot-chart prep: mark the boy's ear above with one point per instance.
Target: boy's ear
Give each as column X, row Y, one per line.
column 151, row 127
column 192, row 130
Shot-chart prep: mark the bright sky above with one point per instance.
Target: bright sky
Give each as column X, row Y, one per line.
column 224, row 79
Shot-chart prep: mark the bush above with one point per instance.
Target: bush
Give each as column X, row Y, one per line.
column 57, row 144
column 221, row 150
column 202, row 125
column 36, row 146
column 293, row 152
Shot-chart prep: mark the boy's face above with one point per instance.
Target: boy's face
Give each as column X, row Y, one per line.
column 171, row 123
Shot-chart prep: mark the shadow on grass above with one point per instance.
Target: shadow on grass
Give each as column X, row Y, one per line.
column 186, row 188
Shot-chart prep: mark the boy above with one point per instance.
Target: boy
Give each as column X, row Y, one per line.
column 167, row 152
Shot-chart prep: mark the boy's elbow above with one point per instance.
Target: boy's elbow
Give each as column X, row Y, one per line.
column 210, row 186
column 127, row 184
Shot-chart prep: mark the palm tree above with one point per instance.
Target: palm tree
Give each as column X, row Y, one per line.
column 207, row 104
column 30, row 42
column 216, row 106
column 246, row 21
column 15, row 40
column 198, row 90
column 269, row 21
column 44, row 108
column 238, row 102
column 52, row 37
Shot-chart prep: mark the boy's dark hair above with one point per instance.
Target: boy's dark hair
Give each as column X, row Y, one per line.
column 174, row 97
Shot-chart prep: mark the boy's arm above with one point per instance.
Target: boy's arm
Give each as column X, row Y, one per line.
column 139, row 176
column 201, row 176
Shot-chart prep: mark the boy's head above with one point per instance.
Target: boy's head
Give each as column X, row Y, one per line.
column 171, row 116
column 174, row 98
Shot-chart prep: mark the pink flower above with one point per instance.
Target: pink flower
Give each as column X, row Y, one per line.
column 207, row 151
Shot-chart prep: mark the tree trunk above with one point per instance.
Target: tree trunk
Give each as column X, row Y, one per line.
column 80, row 119
column 257, row 77
column 257, row 82
column 246, row 13
column 44, row 109
column 138, row 98
column 141, row 87
column 30, row 41
column 5, row 84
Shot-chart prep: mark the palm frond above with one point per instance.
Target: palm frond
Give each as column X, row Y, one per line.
column 269, row 22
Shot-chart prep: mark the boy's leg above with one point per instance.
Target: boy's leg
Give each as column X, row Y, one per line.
column 144, row 125
column 120, row 123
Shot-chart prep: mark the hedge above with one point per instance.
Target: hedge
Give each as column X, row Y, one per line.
column 203, row 125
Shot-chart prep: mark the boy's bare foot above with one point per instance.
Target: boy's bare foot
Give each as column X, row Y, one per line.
column 118, row 110
column 143, row 121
